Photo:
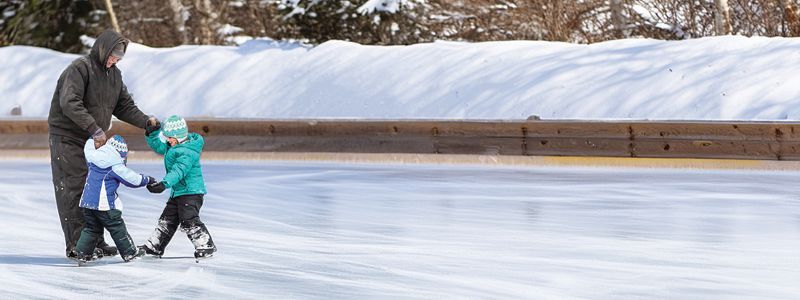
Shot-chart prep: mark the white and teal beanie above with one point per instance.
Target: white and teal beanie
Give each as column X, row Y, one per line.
column 175, row 127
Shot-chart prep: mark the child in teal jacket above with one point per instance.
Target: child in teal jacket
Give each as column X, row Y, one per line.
column 181, row 151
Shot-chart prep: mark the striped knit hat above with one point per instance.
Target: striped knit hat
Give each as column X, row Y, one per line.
column 118, row 143
column 175, row 127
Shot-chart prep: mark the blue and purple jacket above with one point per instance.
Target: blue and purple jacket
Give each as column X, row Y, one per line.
column 106, row 171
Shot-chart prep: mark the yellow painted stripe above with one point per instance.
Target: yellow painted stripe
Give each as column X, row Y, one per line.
column 402, row 158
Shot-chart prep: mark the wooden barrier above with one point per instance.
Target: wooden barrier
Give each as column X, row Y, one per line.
column 652, row 139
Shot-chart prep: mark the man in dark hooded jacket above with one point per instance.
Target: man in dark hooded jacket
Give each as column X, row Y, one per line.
column 89, row 91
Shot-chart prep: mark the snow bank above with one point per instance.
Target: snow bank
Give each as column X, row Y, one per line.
column 711, row 78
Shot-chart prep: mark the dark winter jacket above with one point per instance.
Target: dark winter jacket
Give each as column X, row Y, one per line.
column 184, row 174
column 88, row 94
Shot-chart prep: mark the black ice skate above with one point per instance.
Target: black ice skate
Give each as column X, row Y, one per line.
column 203, row 244
column 105, row 250
column 203, row 254
column 139, row 253
column 149, row 251
column 82, row 260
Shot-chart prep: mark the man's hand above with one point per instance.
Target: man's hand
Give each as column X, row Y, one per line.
column 99, row 138
column 151, row 180
column 156, row 187
column 152, row 125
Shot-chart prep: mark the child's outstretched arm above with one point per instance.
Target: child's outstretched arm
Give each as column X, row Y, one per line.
column 128, row 177
column 183, row 163
column 154, row 140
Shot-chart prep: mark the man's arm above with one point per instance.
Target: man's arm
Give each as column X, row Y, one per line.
column 127, row 111
column 70, row 98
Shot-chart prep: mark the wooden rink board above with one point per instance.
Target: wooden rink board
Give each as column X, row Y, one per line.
column 541, row 142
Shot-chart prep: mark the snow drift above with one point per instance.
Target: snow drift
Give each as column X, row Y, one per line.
column 733, row 78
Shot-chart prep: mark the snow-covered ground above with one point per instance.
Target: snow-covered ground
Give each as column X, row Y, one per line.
column 327, row 230
column 716, row 78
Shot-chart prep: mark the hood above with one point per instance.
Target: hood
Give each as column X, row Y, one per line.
column 193, row 142
column 104, row 44
column 105, row 157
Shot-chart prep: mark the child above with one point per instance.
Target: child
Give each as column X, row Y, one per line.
column 100, row 203
column 181, row 151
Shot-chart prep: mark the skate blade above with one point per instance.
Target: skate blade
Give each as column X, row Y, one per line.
column 78, row 261
column 207, row 257
column 131, row 260
column 153, row 256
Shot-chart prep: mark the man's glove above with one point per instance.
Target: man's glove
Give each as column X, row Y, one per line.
column 151, row 180
column 156, row 187
column 99, row 137
column 153, row 125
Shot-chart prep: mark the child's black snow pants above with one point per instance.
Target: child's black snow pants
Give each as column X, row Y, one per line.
column 111, row 220
column 184, row 211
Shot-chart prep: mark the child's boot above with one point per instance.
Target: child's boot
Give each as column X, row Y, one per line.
column 105, row 250
column 139, row 253
column 150, row 251
column 204, row 253
column 203, row 244
column 82, row 259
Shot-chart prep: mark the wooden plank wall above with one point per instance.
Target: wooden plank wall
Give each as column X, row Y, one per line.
column 655, row 139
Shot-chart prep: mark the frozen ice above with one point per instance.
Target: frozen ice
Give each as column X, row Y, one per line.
column 330, row 230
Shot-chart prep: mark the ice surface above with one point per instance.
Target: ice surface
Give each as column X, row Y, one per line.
column 327, row 230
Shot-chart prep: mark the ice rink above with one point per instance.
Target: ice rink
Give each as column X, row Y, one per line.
column 379, row 231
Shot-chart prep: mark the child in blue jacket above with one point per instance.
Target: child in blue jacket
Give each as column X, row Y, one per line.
column 101, row 205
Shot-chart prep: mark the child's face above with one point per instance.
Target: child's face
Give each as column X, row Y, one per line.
column 172, row 141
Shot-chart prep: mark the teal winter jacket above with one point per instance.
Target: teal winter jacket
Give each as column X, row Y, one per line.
column 184, row 174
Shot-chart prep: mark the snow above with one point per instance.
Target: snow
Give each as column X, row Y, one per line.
column 719, row 78
column 228, row 29
column 236, row 3
column 386, row 6
column 333, row 231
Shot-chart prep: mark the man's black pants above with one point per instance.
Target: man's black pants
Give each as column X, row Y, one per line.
column 68, row 164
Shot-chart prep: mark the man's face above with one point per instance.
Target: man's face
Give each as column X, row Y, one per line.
column 112, row 60
column 172, row 141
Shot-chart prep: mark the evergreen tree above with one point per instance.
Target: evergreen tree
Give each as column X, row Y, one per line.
column 54, row 24
column 382, row 22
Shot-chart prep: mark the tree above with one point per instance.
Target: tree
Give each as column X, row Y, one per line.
column 722, row 18
column 382, row 22
column 790, row 20
column 167, row 23
column 55, row 24
column 617, row 18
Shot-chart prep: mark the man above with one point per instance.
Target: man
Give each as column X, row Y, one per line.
column 89, row 91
